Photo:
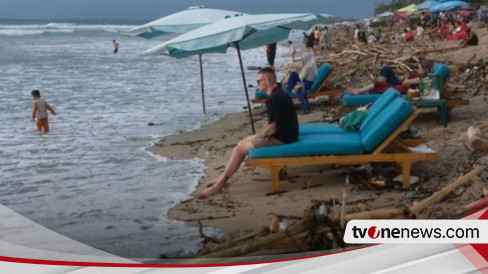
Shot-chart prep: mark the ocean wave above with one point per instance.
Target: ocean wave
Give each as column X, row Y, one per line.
column 13, row 32
column 52, row 27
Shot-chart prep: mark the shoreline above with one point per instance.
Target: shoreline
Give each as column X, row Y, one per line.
column 213, row 143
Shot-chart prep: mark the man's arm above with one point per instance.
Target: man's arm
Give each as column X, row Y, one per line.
column 34, row 110
column 267, row 131
column 48, row 107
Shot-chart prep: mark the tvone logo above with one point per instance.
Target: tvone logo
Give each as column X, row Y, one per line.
column 373, row 232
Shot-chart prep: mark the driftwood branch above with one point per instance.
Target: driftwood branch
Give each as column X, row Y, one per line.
column 260, row 243
column 446, row 190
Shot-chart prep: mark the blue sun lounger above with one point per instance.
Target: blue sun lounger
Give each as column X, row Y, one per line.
column 321, row 87
column 376, row 141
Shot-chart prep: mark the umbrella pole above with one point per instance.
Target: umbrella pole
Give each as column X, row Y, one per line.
column 245, row 88
column 201, row 81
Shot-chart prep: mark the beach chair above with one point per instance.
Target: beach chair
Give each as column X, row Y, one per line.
column 376, row 107
column 444, row 104
column 376, row 141
column 322, row 86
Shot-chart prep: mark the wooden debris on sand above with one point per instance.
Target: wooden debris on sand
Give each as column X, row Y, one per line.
column 320, row 227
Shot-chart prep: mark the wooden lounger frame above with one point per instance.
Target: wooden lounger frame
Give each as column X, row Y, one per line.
column 393, row 149
column 325, row 89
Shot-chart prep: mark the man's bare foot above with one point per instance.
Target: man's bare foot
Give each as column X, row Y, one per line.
column 211, row 183
column 352, row 90
column 222, row 179
column 214, row 189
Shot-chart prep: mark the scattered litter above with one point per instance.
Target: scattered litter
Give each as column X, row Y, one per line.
column 323, row 209
column 378, row 181
column 410, row 134
column 329, row 119
column 422, row 148
column 416, row 194
column 413, row 179
column 283, row 225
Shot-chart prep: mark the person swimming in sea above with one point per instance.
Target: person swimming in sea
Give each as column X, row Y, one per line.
column 116, row 46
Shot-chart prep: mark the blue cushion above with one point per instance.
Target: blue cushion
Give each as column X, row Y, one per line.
column 321, row 128
column 259, row 94
column 322, row 73
column 441, row 70
column 349, row 100
column 313, row 145
column 327, row 128
column 385, row 122
column 381, row 103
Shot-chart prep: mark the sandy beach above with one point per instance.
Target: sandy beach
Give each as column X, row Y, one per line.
column 244, row 206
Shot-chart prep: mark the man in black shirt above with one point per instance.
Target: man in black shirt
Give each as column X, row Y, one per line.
column 281, row 128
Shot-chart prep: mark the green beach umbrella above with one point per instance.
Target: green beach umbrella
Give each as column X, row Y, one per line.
column 181, row 22
column 243, row 32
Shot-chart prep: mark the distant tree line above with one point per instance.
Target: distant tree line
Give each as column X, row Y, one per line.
column 398, row 4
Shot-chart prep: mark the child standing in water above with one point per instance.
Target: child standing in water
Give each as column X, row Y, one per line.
column 39, row 110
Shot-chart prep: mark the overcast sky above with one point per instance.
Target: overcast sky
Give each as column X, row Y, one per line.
column 152, row 9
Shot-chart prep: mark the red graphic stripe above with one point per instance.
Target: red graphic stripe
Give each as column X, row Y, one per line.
column 141, row 265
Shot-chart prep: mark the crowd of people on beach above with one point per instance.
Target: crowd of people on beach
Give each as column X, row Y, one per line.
column 450, row 25
column 317, row 41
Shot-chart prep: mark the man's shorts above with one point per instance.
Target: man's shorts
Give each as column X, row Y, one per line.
column 266, row 142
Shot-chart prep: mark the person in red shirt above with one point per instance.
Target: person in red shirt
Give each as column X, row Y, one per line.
column 407, row 35
column 387, row 79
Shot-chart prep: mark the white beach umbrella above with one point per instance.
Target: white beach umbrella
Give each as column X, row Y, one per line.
column 243, row 32
column 181, row 22
column 385, row 14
